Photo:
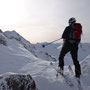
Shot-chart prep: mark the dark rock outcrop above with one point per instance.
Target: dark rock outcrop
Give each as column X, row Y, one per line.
column 17, row 82
column 3, row 39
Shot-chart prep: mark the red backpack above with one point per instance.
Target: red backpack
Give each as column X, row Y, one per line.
column 76, row 31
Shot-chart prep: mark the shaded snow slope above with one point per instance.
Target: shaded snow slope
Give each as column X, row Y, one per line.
column 13, row 35
column 13, row 56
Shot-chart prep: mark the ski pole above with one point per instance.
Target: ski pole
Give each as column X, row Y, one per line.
column 51, row 42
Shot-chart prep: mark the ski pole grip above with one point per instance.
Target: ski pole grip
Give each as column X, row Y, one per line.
column 51, row 42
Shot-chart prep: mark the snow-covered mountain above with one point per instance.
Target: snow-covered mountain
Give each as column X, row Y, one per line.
column 20, row 56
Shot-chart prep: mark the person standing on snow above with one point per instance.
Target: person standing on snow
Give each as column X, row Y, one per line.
column 71, row 37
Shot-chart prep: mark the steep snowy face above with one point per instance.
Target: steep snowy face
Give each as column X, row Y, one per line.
column 3, row 39
column 18, row 52
column 15, row 35
column 15, row 52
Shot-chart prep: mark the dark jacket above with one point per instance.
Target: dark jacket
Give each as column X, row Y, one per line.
column 66, row 35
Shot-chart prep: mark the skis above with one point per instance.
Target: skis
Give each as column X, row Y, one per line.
column 67, row 80
column 80, row 87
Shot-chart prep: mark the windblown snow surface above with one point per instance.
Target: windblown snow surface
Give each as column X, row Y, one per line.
column 20, row 56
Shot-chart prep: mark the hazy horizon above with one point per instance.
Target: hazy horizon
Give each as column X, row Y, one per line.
column 43, row 20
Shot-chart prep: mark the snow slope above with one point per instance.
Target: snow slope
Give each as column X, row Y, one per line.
column 35, row 60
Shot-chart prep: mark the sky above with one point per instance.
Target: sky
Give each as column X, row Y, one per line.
column 44, row 20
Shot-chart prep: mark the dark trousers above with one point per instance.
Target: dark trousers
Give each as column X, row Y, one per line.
column 73, row 49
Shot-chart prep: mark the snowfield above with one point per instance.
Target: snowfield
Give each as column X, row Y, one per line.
column 17, row 55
